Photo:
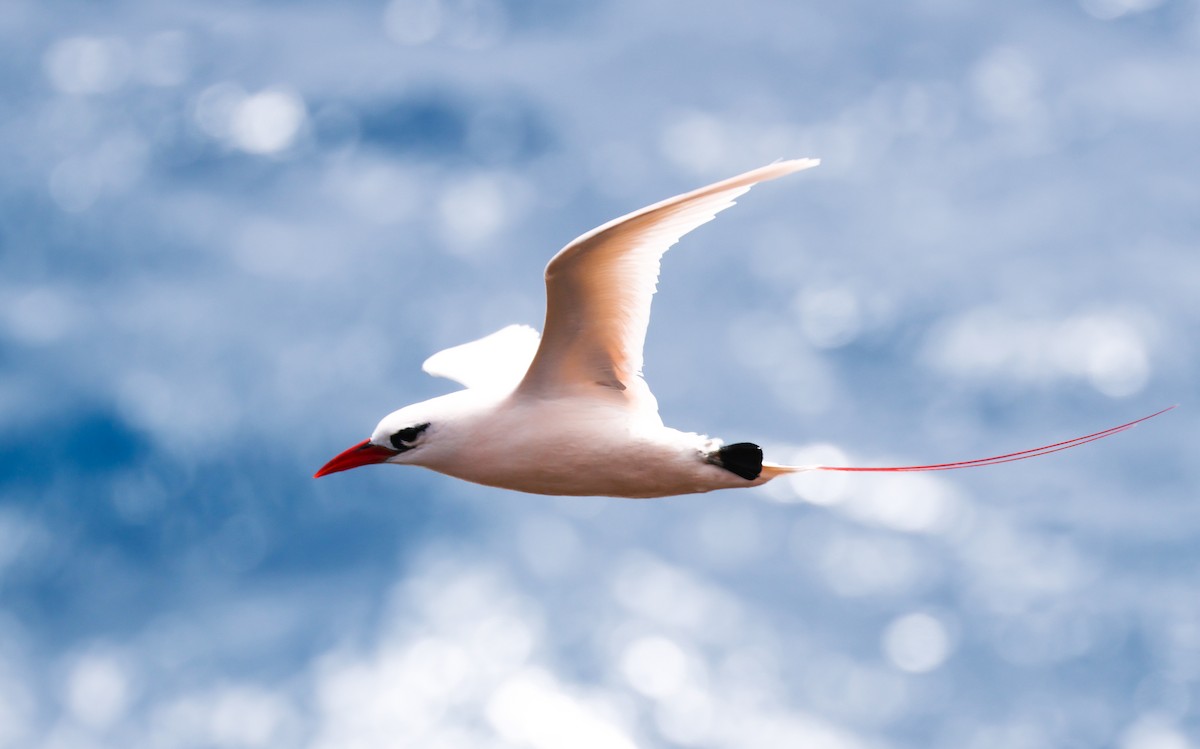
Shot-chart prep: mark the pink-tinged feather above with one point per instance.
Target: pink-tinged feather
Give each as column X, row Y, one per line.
column 1007, row 457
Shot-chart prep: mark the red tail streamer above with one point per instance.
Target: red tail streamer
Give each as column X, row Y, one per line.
column 1008, row 457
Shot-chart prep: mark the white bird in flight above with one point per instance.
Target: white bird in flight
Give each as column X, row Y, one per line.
column 570, row 414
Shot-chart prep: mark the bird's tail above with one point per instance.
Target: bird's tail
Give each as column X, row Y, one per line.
column 773, row 470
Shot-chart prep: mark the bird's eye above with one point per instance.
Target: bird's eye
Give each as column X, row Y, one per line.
column 403, row 439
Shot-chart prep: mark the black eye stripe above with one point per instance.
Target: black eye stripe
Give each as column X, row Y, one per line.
column 403, row 439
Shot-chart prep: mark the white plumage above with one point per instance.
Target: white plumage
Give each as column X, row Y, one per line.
column 570, row 413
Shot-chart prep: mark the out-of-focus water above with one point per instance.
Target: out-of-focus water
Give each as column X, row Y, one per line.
column 231, row 232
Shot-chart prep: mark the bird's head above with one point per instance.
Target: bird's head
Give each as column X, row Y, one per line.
column 424, row 434
column 399, row 438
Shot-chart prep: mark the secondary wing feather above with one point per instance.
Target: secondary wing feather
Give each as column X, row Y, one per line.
column 599, row 288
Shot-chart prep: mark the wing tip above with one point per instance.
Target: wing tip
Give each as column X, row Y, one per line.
column 803, row 162
column 774, row 170
column 795, row 165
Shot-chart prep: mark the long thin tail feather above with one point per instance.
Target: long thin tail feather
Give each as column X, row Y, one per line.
column 772, row 470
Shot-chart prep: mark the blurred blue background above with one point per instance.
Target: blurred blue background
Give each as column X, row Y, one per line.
column 230, row 232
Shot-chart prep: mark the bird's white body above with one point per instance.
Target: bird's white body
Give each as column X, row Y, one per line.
column 568, row 412
column 566, row 446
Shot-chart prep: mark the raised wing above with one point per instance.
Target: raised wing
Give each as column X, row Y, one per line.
column 496, row 361
column 599, row 287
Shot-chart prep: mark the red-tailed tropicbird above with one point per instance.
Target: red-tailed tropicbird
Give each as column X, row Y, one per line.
column 570, row 413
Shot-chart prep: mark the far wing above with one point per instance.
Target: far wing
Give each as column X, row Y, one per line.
column 497, row 361
column 599, row 287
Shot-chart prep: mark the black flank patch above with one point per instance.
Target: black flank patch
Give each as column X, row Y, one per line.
column 743, row 459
